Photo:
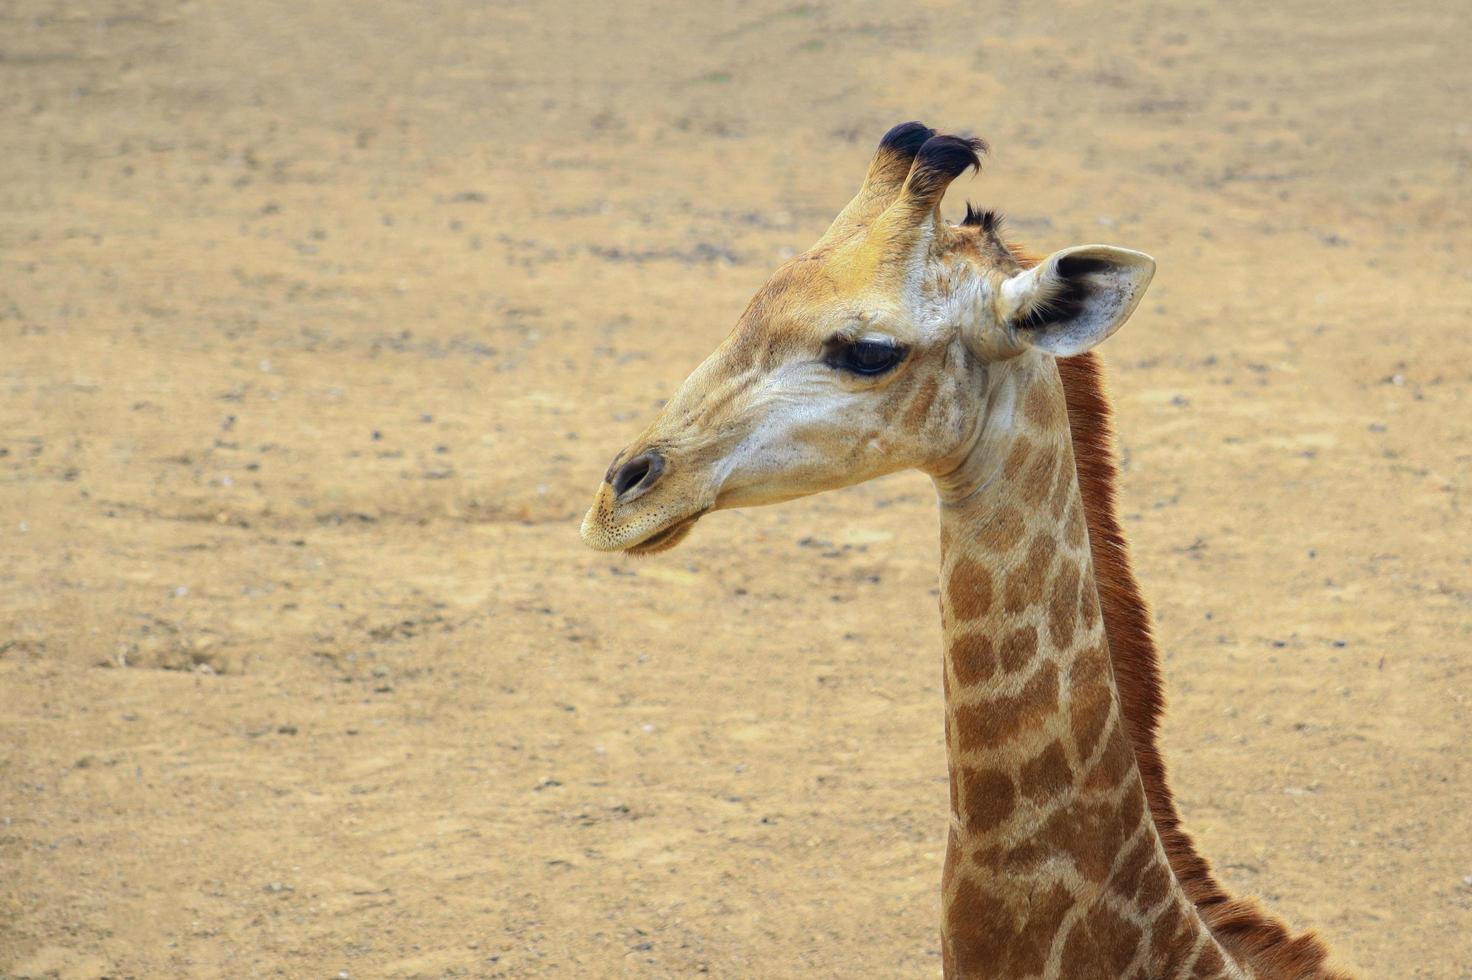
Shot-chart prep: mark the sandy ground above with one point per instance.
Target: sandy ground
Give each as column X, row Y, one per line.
column 320, row 322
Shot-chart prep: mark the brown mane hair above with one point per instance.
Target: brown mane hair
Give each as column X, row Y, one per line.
column 1243, row 928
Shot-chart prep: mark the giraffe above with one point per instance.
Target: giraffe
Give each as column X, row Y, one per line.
column 901, row 341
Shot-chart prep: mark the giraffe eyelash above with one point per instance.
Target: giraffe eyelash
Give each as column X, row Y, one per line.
column 865, row 358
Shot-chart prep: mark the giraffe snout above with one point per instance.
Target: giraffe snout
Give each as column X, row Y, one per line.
column 636, row 476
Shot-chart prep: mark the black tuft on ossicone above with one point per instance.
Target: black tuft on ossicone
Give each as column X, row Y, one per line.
column 941, row 160
column 984, row 218
column 907, row 138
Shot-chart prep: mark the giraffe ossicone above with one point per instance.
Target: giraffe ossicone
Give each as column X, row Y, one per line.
column 901, row 341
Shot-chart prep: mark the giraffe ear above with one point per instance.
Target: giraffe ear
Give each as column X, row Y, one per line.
column 1074, row 299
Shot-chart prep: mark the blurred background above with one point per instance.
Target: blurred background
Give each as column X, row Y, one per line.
column 319, row 324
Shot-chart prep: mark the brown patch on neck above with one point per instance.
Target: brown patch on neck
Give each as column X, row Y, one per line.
column 1249, row 933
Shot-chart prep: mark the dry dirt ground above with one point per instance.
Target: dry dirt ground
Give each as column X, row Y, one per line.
column 320, row 322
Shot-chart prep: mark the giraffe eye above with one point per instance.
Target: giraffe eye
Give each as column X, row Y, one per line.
column 865, row 357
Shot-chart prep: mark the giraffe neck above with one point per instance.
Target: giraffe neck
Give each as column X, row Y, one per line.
column 1053, row 865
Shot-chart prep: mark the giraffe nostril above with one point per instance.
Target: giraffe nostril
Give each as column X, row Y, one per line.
column 639, row 473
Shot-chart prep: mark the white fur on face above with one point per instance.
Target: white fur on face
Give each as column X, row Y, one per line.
column 805, row 421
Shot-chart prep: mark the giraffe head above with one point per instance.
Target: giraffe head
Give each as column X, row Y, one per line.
column 885, row 346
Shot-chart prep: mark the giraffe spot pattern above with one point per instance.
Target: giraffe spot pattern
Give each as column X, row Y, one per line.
column 1089, row 710
column 1075, row 526
column 1114, row 764
column 1083, row 831
column 1037, row 480
column 970, row 589
column 1100, row 945
column 1210, row 962
column 953, row 855
column 1019, row 648
column 978, row 927
column 1063, row 605
column 1154, row 886
column 1170, row 941
column 1092, row 832
column 999, row 535
column 973, row 659
column 1025, row 580
column 1063, row 491
column 1038, row 407
column 992, row 722
column 1126, row 880
column 1088, row 605
column 988, row 936
column 1023, row 858
column 1017, row 458
column 1047, row 775
column 989, row 798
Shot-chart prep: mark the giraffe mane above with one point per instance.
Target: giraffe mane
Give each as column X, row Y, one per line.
column 1241, row 925
column 987, row 219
